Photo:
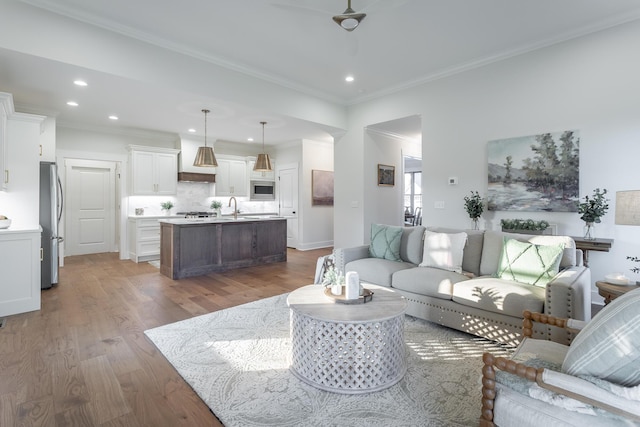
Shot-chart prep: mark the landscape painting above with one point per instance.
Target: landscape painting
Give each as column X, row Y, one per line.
column 535, row 173
column 321, row 188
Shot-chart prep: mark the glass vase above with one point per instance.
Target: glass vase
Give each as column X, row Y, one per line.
column 476, row 225
column 589, row 231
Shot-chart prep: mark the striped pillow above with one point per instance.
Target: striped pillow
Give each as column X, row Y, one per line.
column 609, row 346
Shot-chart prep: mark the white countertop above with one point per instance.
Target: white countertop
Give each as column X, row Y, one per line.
column 223, row 220
column 14, row 229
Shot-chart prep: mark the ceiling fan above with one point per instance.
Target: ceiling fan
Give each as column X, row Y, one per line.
column 349, row 19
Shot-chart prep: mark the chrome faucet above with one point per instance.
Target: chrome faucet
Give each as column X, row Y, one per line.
column 235, row 207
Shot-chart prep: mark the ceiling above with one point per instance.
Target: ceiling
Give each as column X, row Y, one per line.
column 295, row 44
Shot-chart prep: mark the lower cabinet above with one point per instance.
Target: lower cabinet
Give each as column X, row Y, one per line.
column 20, row 267
column 144, row 239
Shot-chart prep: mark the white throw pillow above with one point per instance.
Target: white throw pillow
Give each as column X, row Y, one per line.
column 443, row 250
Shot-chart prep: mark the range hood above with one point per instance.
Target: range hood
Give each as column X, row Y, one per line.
column 196, row 177
column 186, row 171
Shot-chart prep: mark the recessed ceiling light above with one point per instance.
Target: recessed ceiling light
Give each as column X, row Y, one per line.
column 250, row 139
column 349, row 79
column 80, row 83
column 113, row 117
column 72, row 103
column 192, row 130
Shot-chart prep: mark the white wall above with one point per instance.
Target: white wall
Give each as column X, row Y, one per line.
column 590, row 84
column 316, row 222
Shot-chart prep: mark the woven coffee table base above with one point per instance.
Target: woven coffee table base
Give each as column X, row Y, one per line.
column 348, row 357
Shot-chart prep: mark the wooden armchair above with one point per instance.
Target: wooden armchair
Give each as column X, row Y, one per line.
column 537, row 386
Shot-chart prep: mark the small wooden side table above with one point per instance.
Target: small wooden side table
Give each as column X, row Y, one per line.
column 610, row 291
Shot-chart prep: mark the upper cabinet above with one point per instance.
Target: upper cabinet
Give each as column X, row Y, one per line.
column 154, row 171
column 48, row 140
column 231, row 177
column 5, row 107
column 262, row 176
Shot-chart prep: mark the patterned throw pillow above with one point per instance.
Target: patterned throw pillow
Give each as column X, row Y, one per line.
column 443, row 250
column 528, row 263
column 385, row 242
column 609, row 346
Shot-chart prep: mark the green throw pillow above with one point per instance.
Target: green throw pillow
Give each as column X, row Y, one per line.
column 385, row 242
column 528, row 263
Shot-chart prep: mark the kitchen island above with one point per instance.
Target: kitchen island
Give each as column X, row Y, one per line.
column 195, row 247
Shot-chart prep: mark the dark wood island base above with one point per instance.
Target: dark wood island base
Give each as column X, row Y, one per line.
column 194, row 248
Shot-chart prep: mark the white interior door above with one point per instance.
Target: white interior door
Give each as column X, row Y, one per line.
column 90, row 206
column 288, row 199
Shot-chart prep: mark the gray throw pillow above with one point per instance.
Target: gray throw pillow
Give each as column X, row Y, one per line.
column 385, row 242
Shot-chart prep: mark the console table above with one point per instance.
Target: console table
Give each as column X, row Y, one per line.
column 586, row 245
column 347, row 348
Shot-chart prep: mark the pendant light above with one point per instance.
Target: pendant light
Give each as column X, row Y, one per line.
column 205, row 156
column 263, row 162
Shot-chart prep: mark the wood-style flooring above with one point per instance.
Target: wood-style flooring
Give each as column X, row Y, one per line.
column 83, row 359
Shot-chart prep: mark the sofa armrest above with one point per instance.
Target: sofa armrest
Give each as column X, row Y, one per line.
column 568, row 295
column 343, row 256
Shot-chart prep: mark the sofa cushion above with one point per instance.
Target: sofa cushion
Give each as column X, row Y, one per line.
column 443, row 250
column 411, row 244
column 499, row 296
column 431, row 282
column 375, row 270
column 385, row 242
column 493, row 241
column 528, row 263
column 609, row 346
column 472, row 250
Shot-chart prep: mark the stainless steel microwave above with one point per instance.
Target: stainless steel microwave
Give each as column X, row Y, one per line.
column 263, row 190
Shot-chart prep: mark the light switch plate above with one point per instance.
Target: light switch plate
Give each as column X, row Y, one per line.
column 453, row 180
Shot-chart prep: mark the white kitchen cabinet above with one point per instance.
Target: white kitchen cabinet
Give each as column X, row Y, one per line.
column 5, row 106
column 231, row 178
column 154, row 171
column 20, row 267
column 262, row 176
column 144, row 239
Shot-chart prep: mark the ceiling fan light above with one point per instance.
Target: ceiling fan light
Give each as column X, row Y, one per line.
column 349, row 20
column 263, row 163
column 205, row 157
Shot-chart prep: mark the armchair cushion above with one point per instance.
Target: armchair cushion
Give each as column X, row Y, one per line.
column 385, row 242
column 609, row 346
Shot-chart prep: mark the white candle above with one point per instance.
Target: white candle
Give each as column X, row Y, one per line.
column 352, row 288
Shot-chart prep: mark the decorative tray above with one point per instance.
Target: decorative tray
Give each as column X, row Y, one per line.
column 366, row 296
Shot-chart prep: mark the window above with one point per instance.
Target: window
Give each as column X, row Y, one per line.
column 412, row 191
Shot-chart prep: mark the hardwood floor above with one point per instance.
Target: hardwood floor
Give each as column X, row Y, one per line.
column 83, row 360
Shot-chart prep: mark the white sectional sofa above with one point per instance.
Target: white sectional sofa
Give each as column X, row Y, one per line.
column 474, row 300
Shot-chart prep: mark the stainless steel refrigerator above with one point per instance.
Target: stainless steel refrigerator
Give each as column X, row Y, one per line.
column 51, row 203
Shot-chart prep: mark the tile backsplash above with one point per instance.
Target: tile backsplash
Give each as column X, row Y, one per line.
column 196, row 196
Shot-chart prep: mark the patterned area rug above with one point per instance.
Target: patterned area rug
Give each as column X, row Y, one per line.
column 237, row 361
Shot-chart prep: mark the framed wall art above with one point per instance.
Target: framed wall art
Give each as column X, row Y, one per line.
column 534, row 173
column 386, row 175
column 321, row 188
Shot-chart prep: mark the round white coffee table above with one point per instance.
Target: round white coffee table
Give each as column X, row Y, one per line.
column 347, row 348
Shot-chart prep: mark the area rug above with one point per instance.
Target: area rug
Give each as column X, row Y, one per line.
column 237, row 361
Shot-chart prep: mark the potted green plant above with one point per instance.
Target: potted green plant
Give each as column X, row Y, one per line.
column 474, row 205
column 591, row 210
column 524, row 226
column 166, row 206
column 216, row 205
column 634, row 269
column 332, row 278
